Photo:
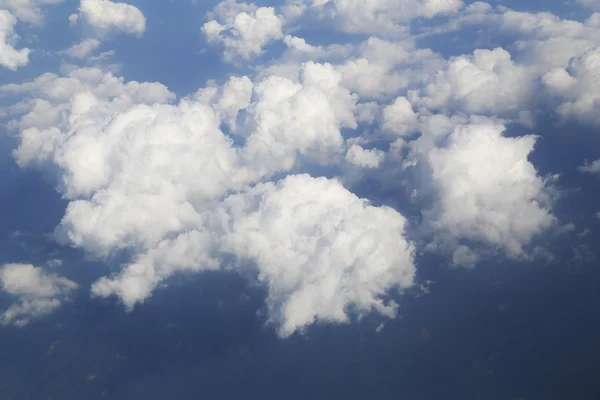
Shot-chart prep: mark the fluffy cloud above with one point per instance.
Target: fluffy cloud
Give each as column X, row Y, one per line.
column 38, row 292
column 27, row 10
column 488, row 192
column 10, row 57
column 243, row 29
column 108, row 16
column 488, row 82
column 318, row 248
column 577, row 87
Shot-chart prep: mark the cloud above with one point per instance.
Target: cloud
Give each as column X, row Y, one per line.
column 82, row 49
column 319, row 248
column 592, row 168
column 487, row 82
column 10, row 57
column 217, row 180
column 143, row 174
column 592, row 4
column 27, row 10
column 38, row 292
column 487, row 190
column 243, row 29
column 577, row 87
column 384, row 17
column 108, row 16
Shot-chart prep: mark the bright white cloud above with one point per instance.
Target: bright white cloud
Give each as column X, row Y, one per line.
column 108, row 16
column 10, row 57
column 488, row 191
column 319, row 249
column 243, row 29
column 38, row 292
column 592, row 168
column 488, row 82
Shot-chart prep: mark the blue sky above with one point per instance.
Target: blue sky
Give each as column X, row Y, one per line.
column 299, row 199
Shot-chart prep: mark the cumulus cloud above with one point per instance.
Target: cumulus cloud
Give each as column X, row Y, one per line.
column 319, row 249
column 107, row 16
column 10, row 57
column 27, row 10
column 144, row 174
column 243, row 29
column 487, row 190
column 38, row 292
column 577, row 87
column 214, row 180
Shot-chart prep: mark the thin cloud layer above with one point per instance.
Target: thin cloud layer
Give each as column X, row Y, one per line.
column 243, row 29
column 38, row 293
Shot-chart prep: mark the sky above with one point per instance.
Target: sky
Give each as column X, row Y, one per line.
column 299, row 199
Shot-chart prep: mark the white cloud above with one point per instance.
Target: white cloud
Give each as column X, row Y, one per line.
column 319, row 249
column 108, row 16
column 399, row 117
column 27, row 10
column 243, row 29
column 366, row 158
column 38, row 292
column 577, row 87
column 145, row 175
column 488, row 82
column 488, row 191
column 376, row 16
column 10, row 57
column 592, row 168
column 82, row 49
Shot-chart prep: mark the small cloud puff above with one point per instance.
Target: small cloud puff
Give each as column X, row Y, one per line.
column 38, row 292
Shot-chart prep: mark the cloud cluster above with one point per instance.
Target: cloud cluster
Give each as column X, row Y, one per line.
column 577, row 87
column 231, row 176
column 383, row 17
column 38, row 293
